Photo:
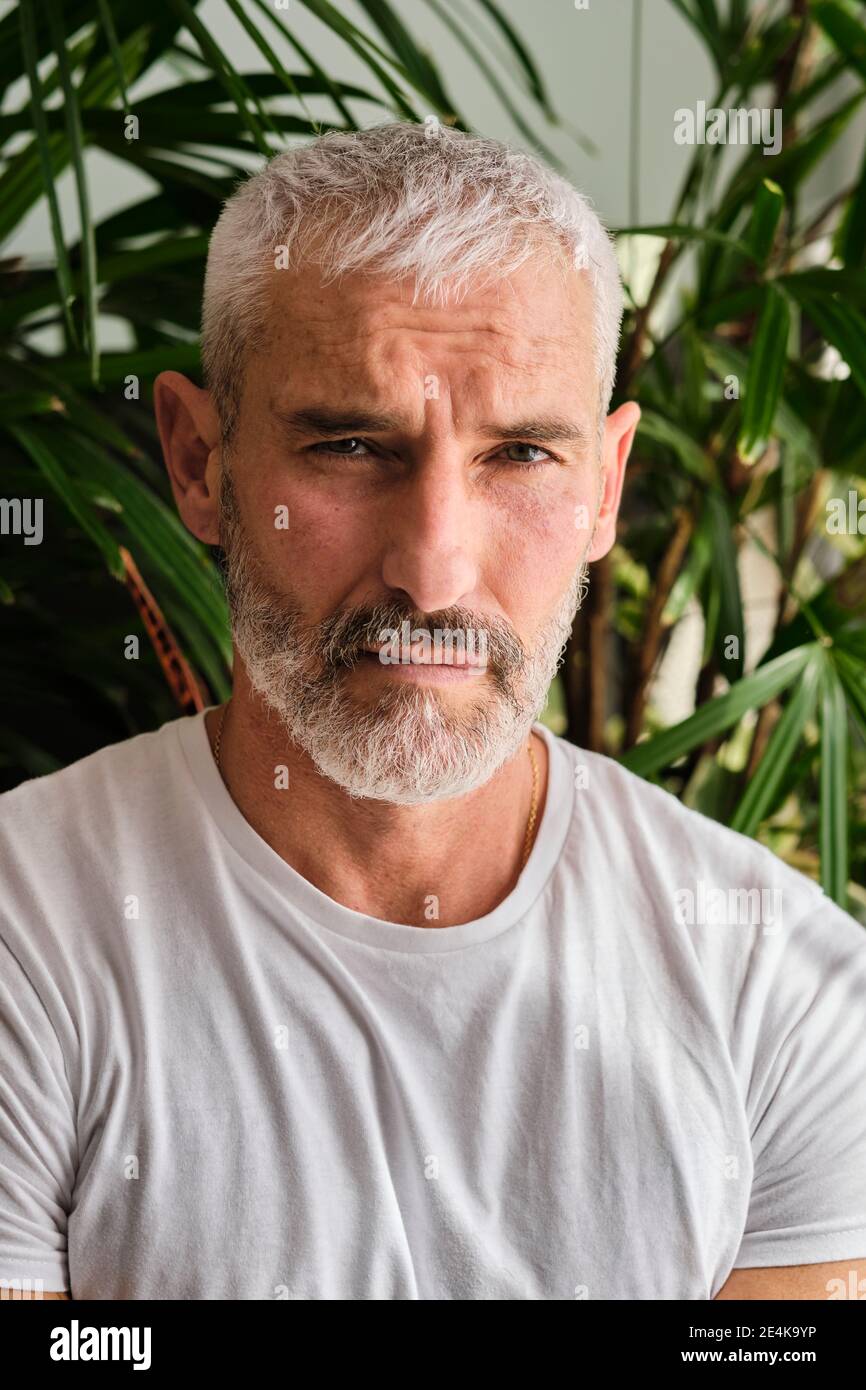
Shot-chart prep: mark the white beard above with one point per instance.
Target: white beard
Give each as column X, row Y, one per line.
column 407, row 746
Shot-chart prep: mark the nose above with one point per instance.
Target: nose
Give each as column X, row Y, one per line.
column 433, row 537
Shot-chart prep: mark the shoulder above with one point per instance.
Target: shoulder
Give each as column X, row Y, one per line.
column 657, row 851
column 649, row 830
column 59, row 802
column 63, row 834
column 718, row 922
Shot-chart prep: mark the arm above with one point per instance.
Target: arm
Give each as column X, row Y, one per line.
column 38, row 1140
column 16, row 1296
column 796, row 1281
column 805, row 1230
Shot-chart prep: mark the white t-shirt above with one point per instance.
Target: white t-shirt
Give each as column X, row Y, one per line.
column 219, row 1083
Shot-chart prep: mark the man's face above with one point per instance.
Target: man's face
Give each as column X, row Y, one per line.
column 396, row 462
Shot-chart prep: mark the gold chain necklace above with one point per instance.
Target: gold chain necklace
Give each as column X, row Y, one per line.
column 533, row 809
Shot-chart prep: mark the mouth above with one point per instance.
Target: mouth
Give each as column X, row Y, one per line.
column 429, row 667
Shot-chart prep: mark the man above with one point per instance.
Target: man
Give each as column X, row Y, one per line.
column 364, row 985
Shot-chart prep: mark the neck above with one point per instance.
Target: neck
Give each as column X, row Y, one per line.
column 385, row 861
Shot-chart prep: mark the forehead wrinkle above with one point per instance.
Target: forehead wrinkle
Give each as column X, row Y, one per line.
column 378, row 365
column 359, row 336
column 382, row 395
column 362, row 321
column 479, row 370
column 509, row 329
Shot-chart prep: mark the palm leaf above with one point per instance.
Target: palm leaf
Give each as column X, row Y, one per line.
column 718, row 715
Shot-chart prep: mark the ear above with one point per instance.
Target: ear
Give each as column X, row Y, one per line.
column 619, row 429
column 189, row 432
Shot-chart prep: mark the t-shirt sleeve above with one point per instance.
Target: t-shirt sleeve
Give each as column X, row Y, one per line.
column 807, row 1098
column 38, row 1142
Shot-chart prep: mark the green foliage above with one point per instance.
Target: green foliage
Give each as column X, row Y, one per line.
column 775, row 749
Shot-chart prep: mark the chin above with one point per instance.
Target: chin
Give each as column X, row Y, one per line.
column 409, row 746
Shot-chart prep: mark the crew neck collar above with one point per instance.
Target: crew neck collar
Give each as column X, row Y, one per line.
column 326, row 912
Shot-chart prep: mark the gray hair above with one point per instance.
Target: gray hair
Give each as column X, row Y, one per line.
column 422, row 201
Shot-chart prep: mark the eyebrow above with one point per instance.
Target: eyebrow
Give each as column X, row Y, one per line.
column 352, row 420
column 539, row 430
column 347, row 420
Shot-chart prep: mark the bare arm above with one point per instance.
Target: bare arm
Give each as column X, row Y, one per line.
column 17, row 1295
column 793, row 1281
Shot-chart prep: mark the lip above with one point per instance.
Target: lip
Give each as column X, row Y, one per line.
column 424, row 671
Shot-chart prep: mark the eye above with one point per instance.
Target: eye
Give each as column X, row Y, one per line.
column 528, row 462
column 343, row 448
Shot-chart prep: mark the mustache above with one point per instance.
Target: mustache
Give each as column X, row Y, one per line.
column 345, row 636
column 339, row 641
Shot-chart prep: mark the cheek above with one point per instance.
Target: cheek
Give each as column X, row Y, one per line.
column 542, row 535
column 309, row 541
